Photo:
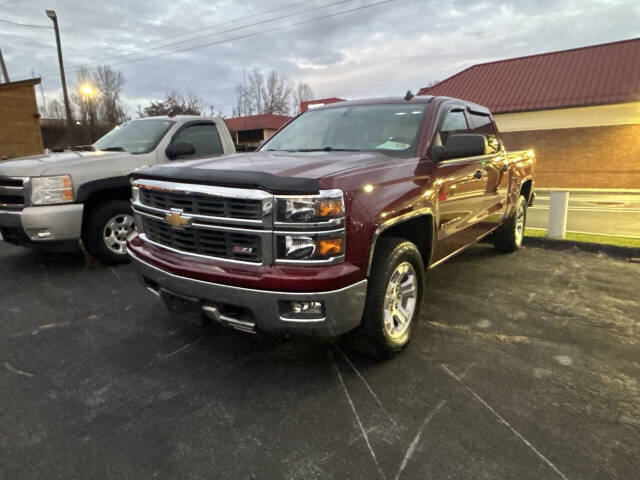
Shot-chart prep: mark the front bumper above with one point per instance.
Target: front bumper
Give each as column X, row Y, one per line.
column 259, row 310
column 42, row 224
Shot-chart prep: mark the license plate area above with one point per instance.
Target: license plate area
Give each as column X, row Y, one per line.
column 187, row 306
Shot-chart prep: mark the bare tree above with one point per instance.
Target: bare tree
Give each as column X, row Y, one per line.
column 277, row 96
column 109, row 83
column 175, row 104
column 243, row 107
column 274, row 95
column 55, row 110
column 301, row 94
column 86, row 104
column 255, row 93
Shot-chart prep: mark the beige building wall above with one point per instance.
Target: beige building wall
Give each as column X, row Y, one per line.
column 582, row 147
column 19, row 121
column 596, row 116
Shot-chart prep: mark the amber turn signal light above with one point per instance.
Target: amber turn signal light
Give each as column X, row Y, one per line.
column 329, row 247
column 329, row 207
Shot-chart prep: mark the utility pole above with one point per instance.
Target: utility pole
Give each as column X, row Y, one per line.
column 54, row 18
column 5, row 75
column 44, row 102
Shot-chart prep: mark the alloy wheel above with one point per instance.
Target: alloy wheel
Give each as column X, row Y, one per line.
column 116, row 231
column 400, row 300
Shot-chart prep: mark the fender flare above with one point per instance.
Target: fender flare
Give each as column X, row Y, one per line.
column 392, row 222
column 89, row 188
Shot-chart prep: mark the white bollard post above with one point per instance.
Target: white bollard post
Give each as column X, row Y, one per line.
column 558, row 208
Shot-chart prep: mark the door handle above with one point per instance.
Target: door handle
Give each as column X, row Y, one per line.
column 478, row 174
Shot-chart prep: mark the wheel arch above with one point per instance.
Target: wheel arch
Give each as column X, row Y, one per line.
column 97, row 192
column 526, row 189
column 416, row 226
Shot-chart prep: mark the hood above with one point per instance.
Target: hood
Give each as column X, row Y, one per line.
column 56, row 163
column 314, row 165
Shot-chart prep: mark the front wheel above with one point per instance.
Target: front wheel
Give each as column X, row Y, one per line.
column 107, row 229
column 508, row 238
column 394, row 297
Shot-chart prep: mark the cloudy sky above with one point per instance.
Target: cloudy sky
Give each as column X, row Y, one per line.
column 361, row 48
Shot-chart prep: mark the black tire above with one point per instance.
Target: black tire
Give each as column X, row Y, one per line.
column 508, row 238
column 372, row 337
column 96, row 226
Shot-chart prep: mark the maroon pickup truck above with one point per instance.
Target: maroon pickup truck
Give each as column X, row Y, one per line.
column 330, row 226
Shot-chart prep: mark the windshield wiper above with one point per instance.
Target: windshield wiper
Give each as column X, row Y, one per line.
column 327, row 149
column 113, row 149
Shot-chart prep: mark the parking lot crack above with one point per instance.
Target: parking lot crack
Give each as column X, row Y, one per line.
column 366, row 384
column 177, row 351
column 17, row 371
column 503, row 421
column 355, row 413
column 416, row 439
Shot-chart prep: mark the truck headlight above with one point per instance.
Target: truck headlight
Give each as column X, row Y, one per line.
column 51, row 190
column 309, row 247
column 327, row 207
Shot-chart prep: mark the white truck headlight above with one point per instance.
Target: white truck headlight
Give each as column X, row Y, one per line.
column 51, row 190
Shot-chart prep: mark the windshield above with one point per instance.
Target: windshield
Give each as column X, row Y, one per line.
column 388, row 128
column 138, row 136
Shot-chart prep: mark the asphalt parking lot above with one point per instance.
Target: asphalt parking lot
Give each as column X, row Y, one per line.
column 524, row 366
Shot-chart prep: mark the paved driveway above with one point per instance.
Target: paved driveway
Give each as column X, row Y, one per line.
column 524, row 366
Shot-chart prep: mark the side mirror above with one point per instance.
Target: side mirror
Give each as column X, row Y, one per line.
column 179, row 149
column 461, row 146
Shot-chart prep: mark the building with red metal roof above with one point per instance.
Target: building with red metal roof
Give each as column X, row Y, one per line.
column 579, row 109
column 248, row 132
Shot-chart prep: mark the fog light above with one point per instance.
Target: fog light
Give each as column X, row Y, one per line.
column 39, row 233
column 302, row 310
column 306, row 307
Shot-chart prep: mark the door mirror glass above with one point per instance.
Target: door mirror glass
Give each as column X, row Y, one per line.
column 461, row 146
column 180, row 149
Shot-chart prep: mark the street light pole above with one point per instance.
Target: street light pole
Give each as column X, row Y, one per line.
column 52, row 15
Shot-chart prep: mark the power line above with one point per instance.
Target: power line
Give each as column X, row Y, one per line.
column 30, row 25
column 261, row 22
column 259, row 14
column 254, row 34
column 240, row 37
column 11, row 3
column 214, row 34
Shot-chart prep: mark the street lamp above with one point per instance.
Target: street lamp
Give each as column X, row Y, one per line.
column 54, row 18
column 88, row 91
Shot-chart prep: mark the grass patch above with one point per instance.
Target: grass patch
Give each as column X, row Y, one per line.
column 589, row 238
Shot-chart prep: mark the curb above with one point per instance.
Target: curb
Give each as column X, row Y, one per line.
column 629, row 253
column 590, row 190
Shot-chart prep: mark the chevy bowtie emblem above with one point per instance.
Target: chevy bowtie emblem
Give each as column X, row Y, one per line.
column 177, row 220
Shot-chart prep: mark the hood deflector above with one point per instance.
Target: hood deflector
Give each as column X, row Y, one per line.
column 231, row 178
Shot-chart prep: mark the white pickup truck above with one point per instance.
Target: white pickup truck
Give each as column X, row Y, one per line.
column 58, row 198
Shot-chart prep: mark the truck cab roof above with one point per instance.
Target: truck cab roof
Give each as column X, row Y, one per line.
column 419, row 99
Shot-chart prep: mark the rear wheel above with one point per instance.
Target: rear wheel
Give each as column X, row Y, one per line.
column 107, row 229
column 394, row 297
column 508, row 238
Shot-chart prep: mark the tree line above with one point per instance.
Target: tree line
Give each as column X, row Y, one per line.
column 274, row 94
column 97, row 105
